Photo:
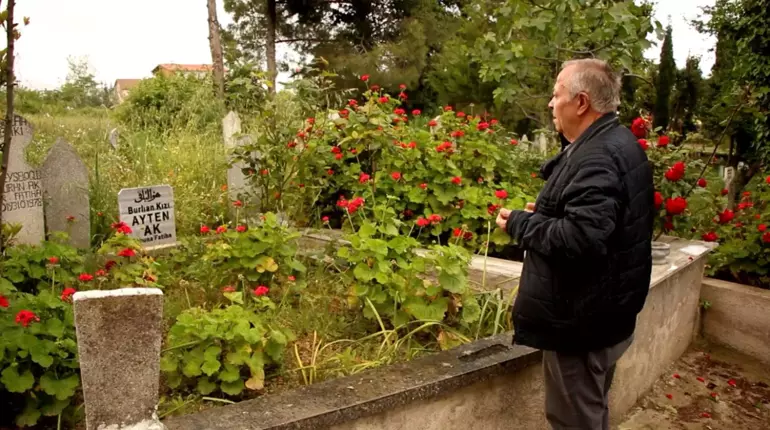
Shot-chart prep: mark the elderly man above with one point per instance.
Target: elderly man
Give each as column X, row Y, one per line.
column 587, row 240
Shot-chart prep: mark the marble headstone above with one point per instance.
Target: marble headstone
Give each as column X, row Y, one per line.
column 65, row 191
column 149, row 211
column 23, row 191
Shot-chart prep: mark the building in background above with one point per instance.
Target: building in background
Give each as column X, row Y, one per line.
column 198, row 70
column 122, row 88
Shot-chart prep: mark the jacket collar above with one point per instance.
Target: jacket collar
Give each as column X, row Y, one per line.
column 602, row 124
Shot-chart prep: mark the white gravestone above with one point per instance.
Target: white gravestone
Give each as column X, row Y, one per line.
column 236, row 181
column 149, row 211
column 23, row 191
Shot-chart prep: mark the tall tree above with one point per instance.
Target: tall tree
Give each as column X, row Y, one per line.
column 688, row 90
column 215, row 43
column 9, row 79
column 272, row 23
column 665, row 83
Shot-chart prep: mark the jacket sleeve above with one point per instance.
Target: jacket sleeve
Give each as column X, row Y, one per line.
column 590, row 214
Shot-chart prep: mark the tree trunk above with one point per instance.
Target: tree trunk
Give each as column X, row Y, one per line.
column 10, row 81
column 272, row 69
column 216, row 51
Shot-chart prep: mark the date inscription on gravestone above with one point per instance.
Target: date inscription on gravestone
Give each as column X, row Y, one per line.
column 149, row 211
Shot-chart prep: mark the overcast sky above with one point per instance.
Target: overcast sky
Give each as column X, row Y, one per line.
column 127, row 39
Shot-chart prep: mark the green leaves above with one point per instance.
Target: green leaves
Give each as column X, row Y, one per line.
column 61, row 388
column 17, row 382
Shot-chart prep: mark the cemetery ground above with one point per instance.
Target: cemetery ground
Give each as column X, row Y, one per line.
column 710, row 387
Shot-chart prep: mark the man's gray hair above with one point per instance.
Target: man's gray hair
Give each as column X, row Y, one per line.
column 597, row 79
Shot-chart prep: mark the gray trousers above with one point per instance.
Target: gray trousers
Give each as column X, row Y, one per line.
column 577, row 387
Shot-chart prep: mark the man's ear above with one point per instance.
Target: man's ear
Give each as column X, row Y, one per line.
column 583, row 103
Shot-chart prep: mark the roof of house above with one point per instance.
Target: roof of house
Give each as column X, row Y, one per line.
column 126, row 83
column 183, row 67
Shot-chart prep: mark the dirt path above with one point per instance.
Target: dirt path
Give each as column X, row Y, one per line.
column 708, row 388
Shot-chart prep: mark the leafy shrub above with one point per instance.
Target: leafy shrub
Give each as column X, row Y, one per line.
column 223, row 349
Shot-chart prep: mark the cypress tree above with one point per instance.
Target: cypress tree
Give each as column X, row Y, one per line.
column 665, row 83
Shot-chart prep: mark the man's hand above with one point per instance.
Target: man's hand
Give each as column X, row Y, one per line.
column 530, row 207
column 502, row 218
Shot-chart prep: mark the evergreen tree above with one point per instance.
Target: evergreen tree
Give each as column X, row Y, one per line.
column 665, row 83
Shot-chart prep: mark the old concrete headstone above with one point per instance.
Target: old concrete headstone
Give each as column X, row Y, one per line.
column 114, row 135
column 23, row 192
column 149, row 211
column 119, row 335
column 541, row 143
column 236, row 181
column 65, row 191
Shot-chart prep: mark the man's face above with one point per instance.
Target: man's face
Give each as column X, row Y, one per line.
column 564, row 107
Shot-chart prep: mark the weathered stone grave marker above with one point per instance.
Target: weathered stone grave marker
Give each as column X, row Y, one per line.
column 65, row 191
column 149, row 211
column 119, row 336
column 23, row 191
column 114, row 135
column 236, row 181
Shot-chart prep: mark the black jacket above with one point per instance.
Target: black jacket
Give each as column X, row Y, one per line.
column 588, row 258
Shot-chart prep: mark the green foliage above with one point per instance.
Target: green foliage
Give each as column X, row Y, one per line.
column 223, row 350
column 256, row 255
column 664, row 84
column 38, row 350
column 525, row 43
column 686, row 97
column 29, row 268
column 165, row 103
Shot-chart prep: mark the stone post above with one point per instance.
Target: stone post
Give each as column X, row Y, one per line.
column 119, row 338
column 236, row 181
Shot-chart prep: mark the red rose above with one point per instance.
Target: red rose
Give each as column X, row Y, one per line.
column 261, row 291
column 363, row 178
column 639, row 128
column 291, row 278
column 375, row 87
column 514, row 142
column 447, row 108
column 658, row 199
column 482, row 126
column 416, row 112
column 501, row 194
column 432, row 123
column 311, row 121
column 726, row 216
column 221, row 229
column 25, row 317
column 468, row 235
column 399, row 111
column 643, row 144
column 767, row 180
column 705, row 415
column 457, row 232
column 351, row 103
column 402, row 95
column 766, row 237
column 85, row 277
column 461, row 114
column 457, row 133
column 204, row 229
column 4, row 302
column 422, row 222
column 676, row 206
column 724, row 191
column 457, row 180
column 533, row 175
column 493, row 122
column 444, row 146
column 396, row 176
column 264, row 172
column 291, row 144
column 127, row 252
column 338, row 156
column 384, row 99
column 240, row 228
column 109, row 265
column 423, row 185
column 702, row 183
column 434, row 219
column 66, row 295
column 412, row 145
column 676, row 172
column 101, row 273
column 762, row 228
column 710, row 237
column 344, row 113
column 355, row 204
column 663, row 141
column 364, row 78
